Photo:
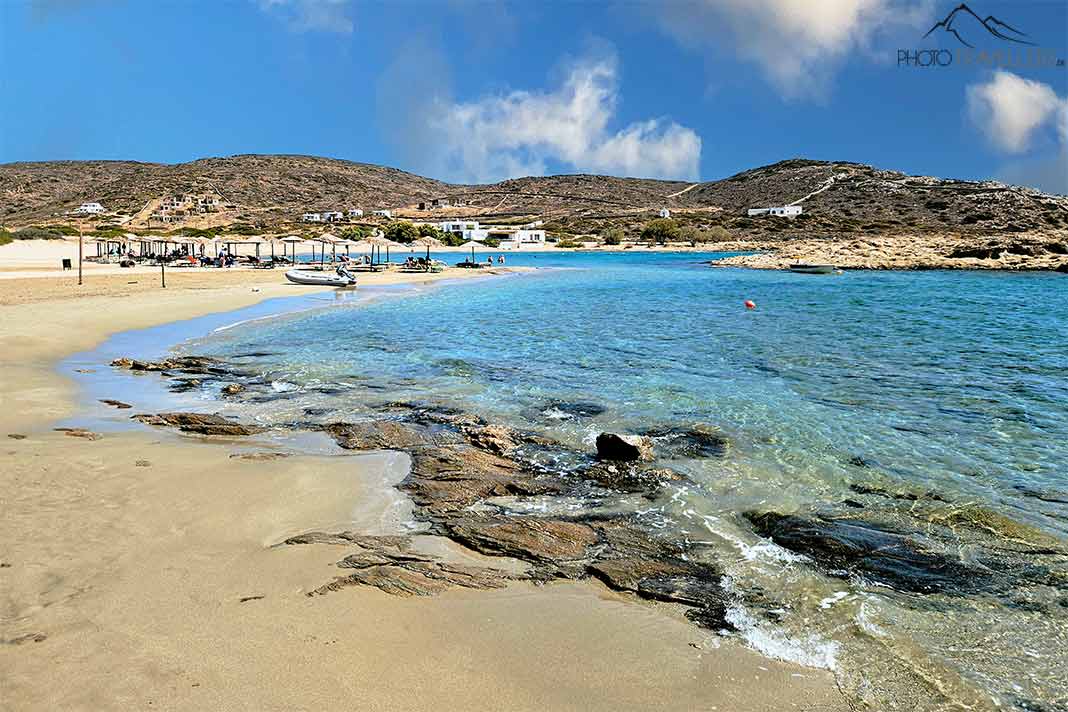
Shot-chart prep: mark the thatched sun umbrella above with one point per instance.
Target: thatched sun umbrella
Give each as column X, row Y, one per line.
column 293, row 240
column 428, row 242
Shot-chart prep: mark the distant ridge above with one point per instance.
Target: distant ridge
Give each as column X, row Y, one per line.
column 271, row 192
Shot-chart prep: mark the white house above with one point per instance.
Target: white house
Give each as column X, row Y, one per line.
column 355, row 213
column 787, row 211
column 517, row 238
column 467, row 229
column 665, row 213
column 311, row 217
column 89, row 209
column 383, row 213
column 333, row 216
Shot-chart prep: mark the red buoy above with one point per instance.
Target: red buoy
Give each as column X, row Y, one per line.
column 750, row 304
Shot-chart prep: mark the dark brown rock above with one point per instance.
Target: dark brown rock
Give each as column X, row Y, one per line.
column 199, row 423
column 115, row 403
column 379, row 435
column 527, row 538
column 625, row 448
column 16, row 436
column 232, row 389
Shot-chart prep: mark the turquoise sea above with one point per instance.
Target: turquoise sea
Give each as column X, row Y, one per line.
column 944, row 391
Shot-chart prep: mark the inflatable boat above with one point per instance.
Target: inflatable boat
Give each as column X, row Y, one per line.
column 320, row 279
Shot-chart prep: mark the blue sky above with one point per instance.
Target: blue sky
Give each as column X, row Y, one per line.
column 475, row 91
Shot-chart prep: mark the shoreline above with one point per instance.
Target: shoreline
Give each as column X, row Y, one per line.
column 147, row 565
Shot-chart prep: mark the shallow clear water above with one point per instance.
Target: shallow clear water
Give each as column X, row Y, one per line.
column 952, row 382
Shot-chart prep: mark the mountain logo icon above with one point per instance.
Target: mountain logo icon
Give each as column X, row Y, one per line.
column 959, row 17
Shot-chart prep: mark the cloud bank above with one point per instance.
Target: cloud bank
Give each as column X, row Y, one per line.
column 1012, row 111
column 798, row 44
column 522, row 132
column 1027, row 119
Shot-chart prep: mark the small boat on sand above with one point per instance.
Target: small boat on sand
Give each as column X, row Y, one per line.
column 803, row 268
column 318, row 278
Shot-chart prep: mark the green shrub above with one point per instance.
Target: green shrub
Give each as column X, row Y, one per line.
column 568, row 243
column 401, row 231
column 37, row 233
column 613, row 236
column 5, row 237
column 660, row 231
column 491, row 242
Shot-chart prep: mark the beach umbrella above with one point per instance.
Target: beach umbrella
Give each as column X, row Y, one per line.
column 473, row 244
column 291, row 240
column 428, row 242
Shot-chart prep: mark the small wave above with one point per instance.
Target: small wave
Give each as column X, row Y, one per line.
column 810, row 651
column 227, row 327
column 284, row 386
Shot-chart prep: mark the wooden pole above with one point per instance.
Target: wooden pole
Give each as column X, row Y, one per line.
column 81, row 241
column 162, row 273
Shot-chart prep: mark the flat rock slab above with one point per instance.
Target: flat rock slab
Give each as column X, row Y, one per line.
column 79, row 433
column 199, row 423
column 115, row 403
column 526, row 538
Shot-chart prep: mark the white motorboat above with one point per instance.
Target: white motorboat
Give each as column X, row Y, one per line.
column 803, row 268
column 321, row 278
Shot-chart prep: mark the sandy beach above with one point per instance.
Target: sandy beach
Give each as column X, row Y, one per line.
column 138, row 570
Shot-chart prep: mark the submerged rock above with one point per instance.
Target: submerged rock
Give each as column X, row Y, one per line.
column 569, row 410
column 115, row 403
column 696, row 441
column 199, row 423
column 628, row 477
column 625, row 448
column 924, row 562
column 232, row 389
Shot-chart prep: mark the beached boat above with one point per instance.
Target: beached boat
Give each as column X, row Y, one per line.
column 803, row 268
column 318, row 278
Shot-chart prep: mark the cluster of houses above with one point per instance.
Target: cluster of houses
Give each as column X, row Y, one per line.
column 334, row 216
column 510, row 236
column 176, row 208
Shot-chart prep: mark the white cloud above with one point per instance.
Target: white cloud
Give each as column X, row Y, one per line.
column 1012, row 110
column 319, row 15
column 521, row 132
column 798, row 44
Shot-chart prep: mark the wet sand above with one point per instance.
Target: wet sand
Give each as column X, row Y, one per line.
column 125, row 559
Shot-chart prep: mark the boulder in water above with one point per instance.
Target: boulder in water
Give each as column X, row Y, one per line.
column 624, row 448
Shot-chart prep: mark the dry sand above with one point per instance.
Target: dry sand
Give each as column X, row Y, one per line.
column 123, row 562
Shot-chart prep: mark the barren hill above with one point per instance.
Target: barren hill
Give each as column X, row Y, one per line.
column 272, row 190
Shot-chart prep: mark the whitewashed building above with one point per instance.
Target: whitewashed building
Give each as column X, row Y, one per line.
column 89, row 209
column 786, row 211
column 665, row 213
column 333, row 216
column 467, row 229
column 517, row 238
column 383, row 213
column 311, row 217
column 355, row 213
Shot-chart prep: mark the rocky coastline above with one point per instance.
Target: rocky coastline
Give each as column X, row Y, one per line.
column 1047, row 251
column 551, row 512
